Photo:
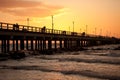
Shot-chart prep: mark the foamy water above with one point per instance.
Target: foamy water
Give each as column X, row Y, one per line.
column 83, row 65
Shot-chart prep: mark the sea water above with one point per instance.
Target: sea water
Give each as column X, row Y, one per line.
column 91, row 64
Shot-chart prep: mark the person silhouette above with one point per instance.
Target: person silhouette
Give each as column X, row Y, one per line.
column 15, row 26
column 43, row 29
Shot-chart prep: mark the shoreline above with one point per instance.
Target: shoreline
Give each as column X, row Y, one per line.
column 25, row 53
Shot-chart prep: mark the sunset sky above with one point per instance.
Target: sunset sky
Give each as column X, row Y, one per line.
column 104, row 15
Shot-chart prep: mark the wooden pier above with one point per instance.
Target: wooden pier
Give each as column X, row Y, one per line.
column 21, row 37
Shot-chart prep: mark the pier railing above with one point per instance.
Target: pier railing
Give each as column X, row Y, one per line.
column 25, row 28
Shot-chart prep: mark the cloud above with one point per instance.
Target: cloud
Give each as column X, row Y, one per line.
column 28, row 8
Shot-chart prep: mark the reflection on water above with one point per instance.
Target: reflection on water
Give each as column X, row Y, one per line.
column 86, row 65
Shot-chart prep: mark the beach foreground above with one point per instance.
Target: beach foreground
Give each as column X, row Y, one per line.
column 96, row 63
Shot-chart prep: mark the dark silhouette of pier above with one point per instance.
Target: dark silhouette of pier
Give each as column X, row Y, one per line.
column 24, row 35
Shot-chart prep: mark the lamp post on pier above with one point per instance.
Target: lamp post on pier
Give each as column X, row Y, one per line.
column 86, row 28
column 73, row 26
column 95, row 30
column 52, row 24
column 28, row 21
column 80, row 30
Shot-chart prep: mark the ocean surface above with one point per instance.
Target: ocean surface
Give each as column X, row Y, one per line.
column 96, row 63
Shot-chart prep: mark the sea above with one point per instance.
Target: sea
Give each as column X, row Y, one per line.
column 94, row 63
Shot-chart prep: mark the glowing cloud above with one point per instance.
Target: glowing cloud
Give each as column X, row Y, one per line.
column 28, row 8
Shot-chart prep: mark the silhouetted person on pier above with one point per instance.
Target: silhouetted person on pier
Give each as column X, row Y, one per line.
column 83, row 34
column 15, row 26
column 43, row 29
column 64, row 32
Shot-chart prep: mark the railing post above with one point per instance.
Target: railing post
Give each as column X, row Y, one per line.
column 58, row 31
column 49, row 31
column 39, row 29
column 7, row 26
column 0, row 25
column 35, row 29
column 32, row 29
column 28, row 28
column 23, row 28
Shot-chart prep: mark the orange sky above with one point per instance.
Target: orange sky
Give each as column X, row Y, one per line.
column 104, row 15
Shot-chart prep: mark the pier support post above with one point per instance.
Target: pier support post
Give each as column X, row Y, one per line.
column 88, row 43
column 22, row 44
column 44, row 44
column 13, row 45
column 60, row 44
column 16, row 45
column 27, row 44
column 31, row 44
column 0, row 46
column 8, row 46
column 78, row 43
column 81, row 43
column 70, row 42
column 38, row 44
column 92, row 43
column 35, row 44
column 49, row 44
column 65, row 44
column 41, row 45
column 84, row 43
column 4, row 46
column 55, row 45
